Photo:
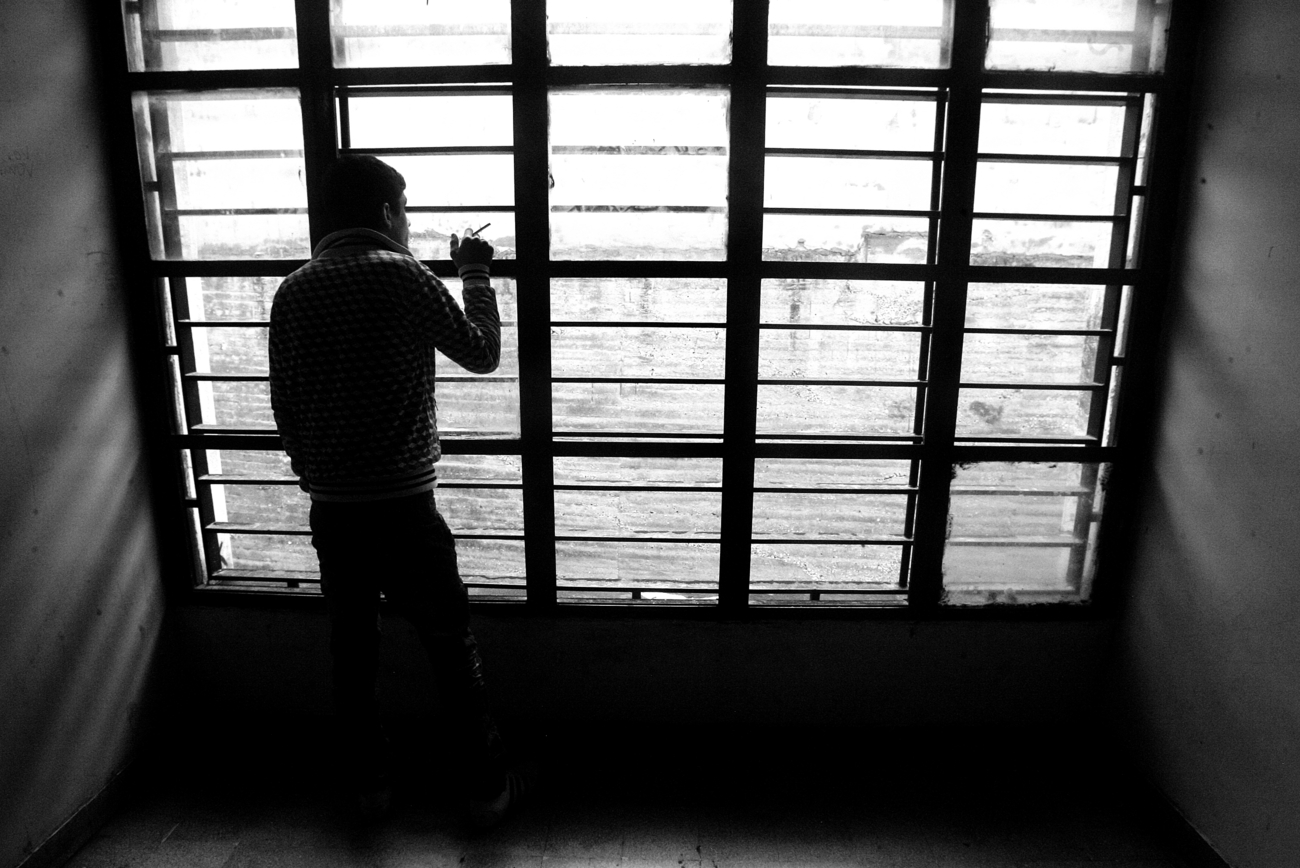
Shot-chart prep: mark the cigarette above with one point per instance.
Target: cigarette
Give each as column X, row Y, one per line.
column 480, row 229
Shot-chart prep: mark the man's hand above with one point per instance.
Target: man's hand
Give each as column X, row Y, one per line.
column 470, row 250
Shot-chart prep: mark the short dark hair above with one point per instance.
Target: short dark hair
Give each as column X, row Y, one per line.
column 355, row 189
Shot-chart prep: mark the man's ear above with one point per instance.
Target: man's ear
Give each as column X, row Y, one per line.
column 386, row 218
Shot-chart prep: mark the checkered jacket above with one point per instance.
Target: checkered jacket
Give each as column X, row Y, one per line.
column 352, row 342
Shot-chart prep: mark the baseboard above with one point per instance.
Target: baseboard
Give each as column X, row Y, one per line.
column 75, row 831
column 1186, row 839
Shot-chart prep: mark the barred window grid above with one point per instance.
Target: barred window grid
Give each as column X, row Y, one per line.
column 972, row 474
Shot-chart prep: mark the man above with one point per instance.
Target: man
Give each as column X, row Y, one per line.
column 352, row 343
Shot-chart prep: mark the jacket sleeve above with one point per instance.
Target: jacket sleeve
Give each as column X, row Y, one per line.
column 471, row 337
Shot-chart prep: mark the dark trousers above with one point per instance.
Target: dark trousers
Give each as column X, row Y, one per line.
column 403, row 548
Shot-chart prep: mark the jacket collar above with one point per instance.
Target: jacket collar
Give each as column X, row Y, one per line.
column 349, row 242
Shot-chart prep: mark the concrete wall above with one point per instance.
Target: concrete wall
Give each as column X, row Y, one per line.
column 586, row 671
column 1210, row 644
column 80, row 596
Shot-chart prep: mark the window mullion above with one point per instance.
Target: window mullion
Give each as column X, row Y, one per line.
column 744, row 252
column 316, row 94
column 960, row 161
column 532, row 292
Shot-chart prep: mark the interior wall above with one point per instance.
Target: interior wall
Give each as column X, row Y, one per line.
column 583, row 671
column 81, row 604
column 1210, row 648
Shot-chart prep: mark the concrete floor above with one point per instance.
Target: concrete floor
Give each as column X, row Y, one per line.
column 775, row 800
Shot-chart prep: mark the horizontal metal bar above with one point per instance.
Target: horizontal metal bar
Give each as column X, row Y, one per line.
column 858, row 76
column 637, row 76
column 446, row 151
column 1056, row 159
column 639, row 435
column 673, row 381
column 894, row 491
column 1014, row 446
column 814, row 381
column 1044, row 332
column 1048, row 218
column 428, row 77
column 685, row 540
column 1049, row 387
column 222, row 323
column 1057, row 98
column 714, row 489
column 756, row 539
column 852, row 153
column 462, row 209
column 209, row 83
column 648, row 325
column 853, row 212
column 848, row 271
column 786, row 92
column 813, row 327
column 892, row 590
column 263, row 377
column 422, row 89
column 1122, row 82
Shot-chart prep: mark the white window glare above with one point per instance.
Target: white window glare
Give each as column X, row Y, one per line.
column 598, row 32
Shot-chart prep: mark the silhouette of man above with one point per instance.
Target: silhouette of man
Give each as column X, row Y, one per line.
column 352, row 341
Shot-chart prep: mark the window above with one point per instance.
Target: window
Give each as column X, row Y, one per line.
column 805, row 303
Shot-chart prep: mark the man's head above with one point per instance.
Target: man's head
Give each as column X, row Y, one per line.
column 363, row 191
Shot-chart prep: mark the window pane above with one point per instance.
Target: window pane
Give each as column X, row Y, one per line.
column 826, row 568
column 433, row 33
column 635, row 514
column 826, row 473
column 233, row 34
column 1017, row 413
column 1037, row 188
column 422, row 120
column 836, row 410
column 1084, row 35
column 223, row 174
column 261, row 552
column 431, row 231
column 596, row 409
column 241, row 405
column 600, row 33
column 611, row 566
column 491, row 562
column 1029, row 358
column 462, row 179
column 833, row 238
column 639, row 175
column 642, row 299
column 892, row 33
column 842, row 302
column 231, row 298
column 846, row 182
column 1046, row 243
column 838, row 355
column 638, row 352
column 1021, row 532
column 1034, row 306
column 1091, row 130
column 857, row 121
column 230, row 350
